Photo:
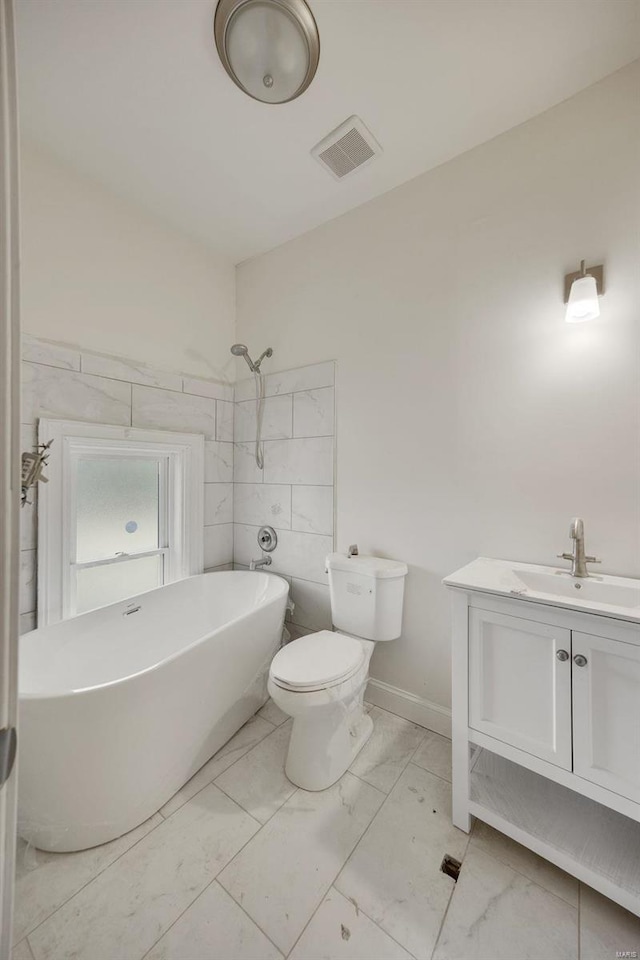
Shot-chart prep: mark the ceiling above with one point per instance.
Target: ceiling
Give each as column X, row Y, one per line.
column 131, row 93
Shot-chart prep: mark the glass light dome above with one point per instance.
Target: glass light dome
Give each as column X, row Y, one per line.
column 269, row 48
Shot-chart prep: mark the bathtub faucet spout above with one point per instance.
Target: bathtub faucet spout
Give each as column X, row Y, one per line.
column 264, row 562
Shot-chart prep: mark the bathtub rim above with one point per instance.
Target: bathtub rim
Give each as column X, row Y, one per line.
column 80, row 691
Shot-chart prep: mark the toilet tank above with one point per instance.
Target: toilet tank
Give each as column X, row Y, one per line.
column 366, row 595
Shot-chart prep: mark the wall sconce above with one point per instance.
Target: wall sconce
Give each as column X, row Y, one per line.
column 581, row 292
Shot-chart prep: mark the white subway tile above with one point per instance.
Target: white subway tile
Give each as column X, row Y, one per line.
column 208, row 388
column 312, row 509
column 218, row 545
column 218, row 503
column 29, row 522
column 313, row 413
column 245, row 544
column 118, row 368
column 27, row 581
column 263, row 503
column 299, row 461
column 312, row 605
column 65, row 394
column 169, row 410
column 276, row 419
column 218, row 462
column 224, row 421
column 290, row 381
column 301, row 555
column 52, row 354
column 245, row 468
column 28, row 621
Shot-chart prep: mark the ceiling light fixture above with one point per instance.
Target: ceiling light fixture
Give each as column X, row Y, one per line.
column 269, row 48
column 581, row 292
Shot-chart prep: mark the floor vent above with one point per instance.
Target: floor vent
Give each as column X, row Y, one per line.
column 451, row 867
column 347, row 148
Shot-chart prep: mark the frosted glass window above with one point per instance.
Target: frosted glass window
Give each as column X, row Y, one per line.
column 117, row 507
column 108, row 583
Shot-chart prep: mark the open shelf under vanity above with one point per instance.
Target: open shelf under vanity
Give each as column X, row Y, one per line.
column 597, row 845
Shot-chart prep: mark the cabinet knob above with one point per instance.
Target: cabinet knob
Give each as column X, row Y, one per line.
column 579, row 660
column 562, row 655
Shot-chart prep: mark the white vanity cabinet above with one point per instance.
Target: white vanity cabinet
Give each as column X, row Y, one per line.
column 546, row 717
column 520, row 683
column 606, row 713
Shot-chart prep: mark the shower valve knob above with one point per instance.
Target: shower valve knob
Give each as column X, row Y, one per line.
column 267, row 539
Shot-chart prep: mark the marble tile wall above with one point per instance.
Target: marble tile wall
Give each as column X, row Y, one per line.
column 61, row 381
column 294, row 493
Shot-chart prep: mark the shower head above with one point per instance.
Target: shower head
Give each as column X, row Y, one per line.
column 240, row 350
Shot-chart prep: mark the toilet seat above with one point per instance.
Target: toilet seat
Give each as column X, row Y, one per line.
column 317, row 662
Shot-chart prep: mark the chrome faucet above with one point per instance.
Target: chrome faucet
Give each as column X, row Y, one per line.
column 264, row 562
column 578, row 558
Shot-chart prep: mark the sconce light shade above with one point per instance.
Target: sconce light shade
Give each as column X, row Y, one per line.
column 582, row 290
column 583, row 301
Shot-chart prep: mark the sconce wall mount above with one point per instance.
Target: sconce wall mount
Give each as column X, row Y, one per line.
column 596, row 272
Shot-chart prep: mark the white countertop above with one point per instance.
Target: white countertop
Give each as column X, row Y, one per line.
column 617, row 597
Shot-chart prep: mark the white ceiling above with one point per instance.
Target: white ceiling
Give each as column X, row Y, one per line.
column 131, row 92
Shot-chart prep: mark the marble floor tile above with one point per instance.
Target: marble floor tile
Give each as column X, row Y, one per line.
column 44, row 881
column 124, row 911
column 22, row 951
column 524, row 861
column 434, row 755
column 394, row 874
column 214, row 928
column 388, row 750
column 257, row 781
column 497, row 913
column 606, row 929
column 283, row 874
column 272, row 713
column 254, row 730
column 339, row 931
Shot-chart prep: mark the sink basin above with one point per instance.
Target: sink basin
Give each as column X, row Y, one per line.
column 608, row 596
column 594, row 589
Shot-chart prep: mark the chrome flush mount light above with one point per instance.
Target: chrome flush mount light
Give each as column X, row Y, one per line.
column 581, row 292
column 269, row 48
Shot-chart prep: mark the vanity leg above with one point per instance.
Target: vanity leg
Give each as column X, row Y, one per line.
column 460, row 712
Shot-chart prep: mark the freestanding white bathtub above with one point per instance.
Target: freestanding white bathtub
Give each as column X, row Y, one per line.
column 121, row 706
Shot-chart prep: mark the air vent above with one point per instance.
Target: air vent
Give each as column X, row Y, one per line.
column 347, row 148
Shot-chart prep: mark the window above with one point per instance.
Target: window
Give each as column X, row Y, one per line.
column 121, row 514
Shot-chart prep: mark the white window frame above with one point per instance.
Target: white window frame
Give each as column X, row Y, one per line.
column 181, row 511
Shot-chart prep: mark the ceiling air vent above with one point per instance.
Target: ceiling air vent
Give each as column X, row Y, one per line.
column 347, row 148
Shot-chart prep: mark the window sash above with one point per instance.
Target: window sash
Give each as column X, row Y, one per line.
column 180, row 525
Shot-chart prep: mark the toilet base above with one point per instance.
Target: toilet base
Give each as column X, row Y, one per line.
column 324, row 746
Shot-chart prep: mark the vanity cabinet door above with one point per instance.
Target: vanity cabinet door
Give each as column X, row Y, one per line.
column 520, row 684
column 606, row 713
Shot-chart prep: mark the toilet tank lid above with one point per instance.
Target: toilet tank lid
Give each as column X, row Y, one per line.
column 366, row 566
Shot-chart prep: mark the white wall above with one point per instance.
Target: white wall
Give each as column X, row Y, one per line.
column 471, row 419
column 105, row 275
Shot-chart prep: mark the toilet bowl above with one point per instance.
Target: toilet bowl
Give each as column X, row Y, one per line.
column 319, row 681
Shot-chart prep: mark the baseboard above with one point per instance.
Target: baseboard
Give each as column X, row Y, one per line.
column 409, row 706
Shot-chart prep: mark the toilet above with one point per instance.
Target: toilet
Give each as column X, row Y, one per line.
column 319, row 680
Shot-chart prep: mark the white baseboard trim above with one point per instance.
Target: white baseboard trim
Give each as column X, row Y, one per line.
column 409, row 706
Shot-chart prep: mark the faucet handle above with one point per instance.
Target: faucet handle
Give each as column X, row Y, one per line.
column 576, row 529
column 592, row 560
column 565, row 556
